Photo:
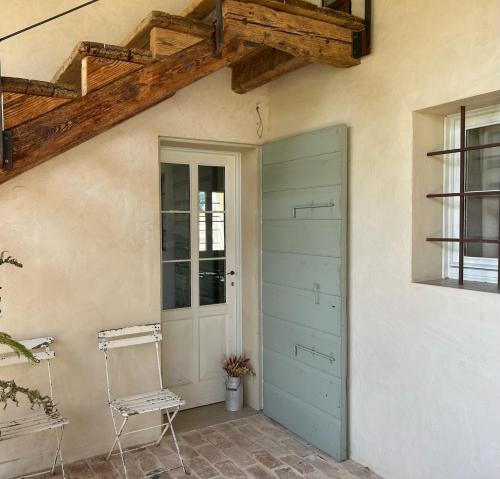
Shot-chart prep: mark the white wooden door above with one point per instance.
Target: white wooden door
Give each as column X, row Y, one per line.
column 199, row 272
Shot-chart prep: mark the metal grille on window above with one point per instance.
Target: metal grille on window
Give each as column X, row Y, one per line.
column 478, row 195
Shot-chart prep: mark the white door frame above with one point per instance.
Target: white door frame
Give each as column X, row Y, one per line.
column 165, row 144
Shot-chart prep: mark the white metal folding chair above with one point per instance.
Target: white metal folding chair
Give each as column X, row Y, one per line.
column 154, row 401
column 39, row 422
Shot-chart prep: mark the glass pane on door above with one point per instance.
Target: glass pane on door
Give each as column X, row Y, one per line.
column 176, row 235
column 177, row 285
column 212, row 282
column 211, row 188
column 211, row 235
column 174, row 187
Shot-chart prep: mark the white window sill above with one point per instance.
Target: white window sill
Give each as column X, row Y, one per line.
column 468, row 285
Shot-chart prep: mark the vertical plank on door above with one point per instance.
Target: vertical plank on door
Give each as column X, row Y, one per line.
column 304, row 275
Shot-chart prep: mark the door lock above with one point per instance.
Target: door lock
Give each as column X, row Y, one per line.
column 231, row 273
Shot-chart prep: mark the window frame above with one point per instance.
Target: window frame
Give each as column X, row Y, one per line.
column 475, row 268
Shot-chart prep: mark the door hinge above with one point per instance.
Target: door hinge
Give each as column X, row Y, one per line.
column 361, row 40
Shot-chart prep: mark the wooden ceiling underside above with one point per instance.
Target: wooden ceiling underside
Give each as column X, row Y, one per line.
column 99, row 85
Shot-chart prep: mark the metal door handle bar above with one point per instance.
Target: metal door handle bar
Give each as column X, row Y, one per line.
column 313, row 352
column 305, row 207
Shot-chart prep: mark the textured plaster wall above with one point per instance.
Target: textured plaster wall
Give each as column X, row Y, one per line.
column 86, row 224
column 424, row 360
column 424, row 382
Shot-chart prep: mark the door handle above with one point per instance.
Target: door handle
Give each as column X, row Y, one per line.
column 313, row 351
column 331, row 204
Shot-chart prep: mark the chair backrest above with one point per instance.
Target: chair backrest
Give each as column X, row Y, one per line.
column 130, row 336
column 38, row 346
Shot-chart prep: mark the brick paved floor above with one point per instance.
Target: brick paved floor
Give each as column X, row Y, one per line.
column 254, row 447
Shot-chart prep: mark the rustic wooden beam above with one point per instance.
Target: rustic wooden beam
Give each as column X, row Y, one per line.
column 19, row 108
column 262, row 66
column 201, row 9
column 309, row 10
column 38, row 140
column 70, row 71
column 38, row 88
column 98, row 72
column 167, row 42
column 341, row 6
column 141, row 36
column 310, row 39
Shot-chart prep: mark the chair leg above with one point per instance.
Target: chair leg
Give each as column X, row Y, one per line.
column 118, row 433
column 162, row 435
column 175, row 440
column 58, row 453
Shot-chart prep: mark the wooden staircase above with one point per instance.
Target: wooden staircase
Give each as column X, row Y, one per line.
column 99, row 85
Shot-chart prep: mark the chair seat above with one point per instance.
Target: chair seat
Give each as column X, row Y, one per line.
column 31, row 424
column 147, row 402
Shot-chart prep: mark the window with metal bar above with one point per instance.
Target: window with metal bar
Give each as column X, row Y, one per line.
column 471, row 196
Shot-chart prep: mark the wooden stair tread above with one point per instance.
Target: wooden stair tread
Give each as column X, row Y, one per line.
column 38, row 88
column 98, row 72
column 263, row 39
column 19, row 108
column 70, row 71
column 141, row 35
column 201, row 9
column 38, row 140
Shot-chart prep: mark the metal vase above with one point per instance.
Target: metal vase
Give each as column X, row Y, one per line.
column 234, row 394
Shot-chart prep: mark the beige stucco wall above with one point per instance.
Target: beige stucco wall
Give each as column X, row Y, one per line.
column 424, row 382
column 86, row 224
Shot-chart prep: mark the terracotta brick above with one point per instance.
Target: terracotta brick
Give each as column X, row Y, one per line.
column 272, row 446
column 249, row 431
column 104, row 470
column 287, row 473
column 148, row 461
column 297, row 446
column 228, row 469
column 79, row 470
column 179, row 474
column 267, row 459
column 239, row 456
column 258, row 472
column 202, row 467
column 211, row 453
column 298, row 463
column 187, row 452
column 218, row 440
column 133, row 468
column 328, row 469
column 255, row 447
column 194, row 438
column 357, row 470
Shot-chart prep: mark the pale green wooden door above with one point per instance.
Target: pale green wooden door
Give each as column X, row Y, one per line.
column 304, row 263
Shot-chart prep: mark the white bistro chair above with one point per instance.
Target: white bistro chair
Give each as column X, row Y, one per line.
column 40, row 421
column 154, row 401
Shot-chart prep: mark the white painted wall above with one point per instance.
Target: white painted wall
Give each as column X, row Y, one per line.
column 86, row 224
column 424, row 381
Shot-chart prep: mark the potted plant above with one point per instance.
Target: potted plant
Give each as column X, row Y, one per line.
column 236, row 367
column 9, row 390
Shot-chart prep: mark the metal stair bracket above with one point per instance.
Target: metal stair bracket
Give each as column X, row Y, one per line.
column 362, row 41
column 5, row 136
column 218, row 38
